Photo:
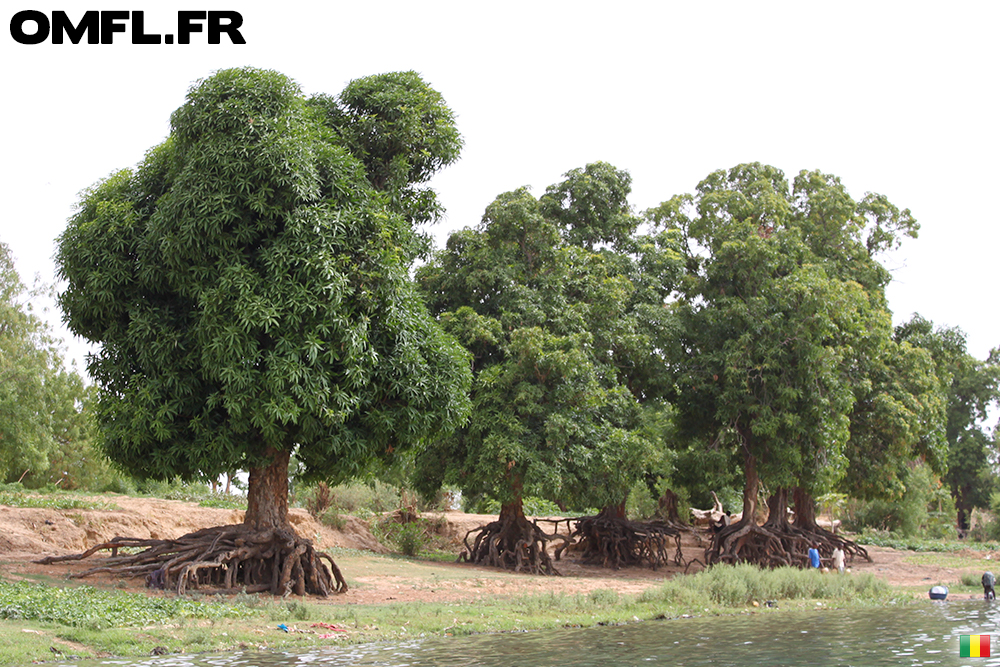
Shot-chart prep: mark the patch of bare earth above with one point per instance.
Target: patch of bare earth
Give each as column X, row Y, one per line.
column 29, row 534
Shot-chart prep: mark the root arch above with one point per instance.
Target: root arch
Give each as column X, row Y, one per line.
column 226, row 558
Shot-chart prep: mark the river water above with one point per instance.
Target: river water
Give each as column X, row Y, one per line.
column 919, row 634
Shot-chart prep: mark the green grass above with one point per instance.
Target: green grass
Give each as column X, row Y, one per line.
column 85, row 606
column 948, row 559
column 55, row 501
column 87, row 621
column 892, row 541
column 224, row 501
column 740, row 585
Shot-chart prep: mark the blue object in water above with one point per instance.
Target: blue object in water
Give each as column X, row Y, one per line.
column 939, row 593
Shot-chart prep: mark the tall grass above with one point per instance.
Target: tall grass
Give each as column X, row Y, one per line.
column 739, row 585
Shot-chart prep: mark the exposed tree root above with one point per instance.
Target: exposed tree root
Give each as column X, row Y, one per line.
column 745, row 541
column 512, row 543
column 779, row 542
column 613, row 541
column 231, row 558
column 805, row 525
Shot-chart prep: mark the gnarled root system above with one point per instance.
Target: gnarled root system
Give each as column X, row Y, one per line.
column 616, row 542
column 512, row 543
column 747, row 542
column 231, row 558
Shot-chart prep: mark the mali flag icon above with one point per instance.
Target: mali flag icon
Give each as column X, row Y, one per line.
column 974, row 646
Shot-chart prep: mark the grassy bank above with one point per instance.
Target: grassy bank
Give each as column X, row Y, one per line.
column 45, row 621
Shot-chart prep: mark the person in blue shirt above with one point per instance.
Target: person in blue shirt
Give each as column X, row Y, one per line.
column 814, row 556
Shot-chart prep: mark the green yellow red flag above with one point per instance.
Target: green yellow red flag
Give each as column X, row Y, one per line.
column 974, row 646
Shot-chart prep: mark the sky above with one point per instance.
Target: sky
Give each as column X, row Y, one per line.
column 898, row 98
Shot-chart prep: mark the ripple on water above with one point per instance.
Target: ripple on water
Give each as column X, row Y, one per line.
column 920, row 634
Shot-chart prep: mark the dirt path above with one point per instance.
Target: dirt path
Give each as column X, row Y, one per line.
column 374, row 577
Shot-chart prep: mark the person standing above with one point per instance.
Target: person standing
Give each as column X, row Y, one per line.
column 838, row 559
column 814, row 556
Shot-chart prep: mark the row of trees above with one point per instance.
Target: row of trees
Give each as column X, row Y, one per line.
column 751, row 316
column 248, row 284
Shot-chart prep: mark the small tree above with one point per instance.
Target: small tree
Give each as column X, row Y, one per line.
column 248, row 287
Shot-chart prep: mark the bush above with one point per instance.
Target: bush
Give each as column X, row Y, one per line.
column 925, row 508
column 332, row 519
column 351, row 498
column 987, row 527
column 410, row 538
column 532, row 507
column 641, row 504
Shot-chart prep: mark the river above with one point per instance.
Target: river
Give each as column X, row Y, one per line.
column 920, row 634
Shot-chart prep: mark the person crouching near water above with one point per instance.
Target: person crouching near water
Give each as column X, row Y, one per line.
column 989, row 581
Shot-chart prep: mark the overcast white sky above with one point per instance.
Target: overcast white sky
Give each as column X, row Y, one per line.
column 894, row 97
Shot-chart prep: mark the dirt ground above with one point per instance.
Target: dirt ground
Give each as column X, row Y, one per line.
column 373, row 576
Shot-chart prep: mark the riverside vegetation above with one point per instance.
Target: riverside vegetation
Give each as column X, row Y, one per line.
column 45, row 617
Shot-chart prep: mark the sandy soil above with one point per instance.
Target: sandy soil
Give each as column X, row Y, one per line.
column 27, row 534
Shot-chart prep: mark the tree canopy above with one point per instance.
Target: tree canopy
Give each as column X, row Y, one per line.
column 558, row 302
column 782, row 301
column 44, row 431
column 970, row 387
column 247, row 283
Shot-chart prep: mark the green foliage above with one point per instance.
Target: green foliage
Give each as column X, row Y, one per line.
column 641, row 504
column 333, row 519
column 782, row 304
column 924, row 508
column 742, row 584
column 988, row 526
column 410, row 539
column 532, row 505
column 561, row 307
column 46, row 429
column 603, row 596
column 892, row 540
column 971, row 580
column 226, row 501
column 971, row 387
column 85, row 606
column 248, row 283
column 352, row 498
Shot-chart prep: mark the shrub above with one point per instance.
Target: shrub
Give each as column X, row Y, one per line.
column 641, row 504
column 410, row 538
column 332, row 518
column 352, row 498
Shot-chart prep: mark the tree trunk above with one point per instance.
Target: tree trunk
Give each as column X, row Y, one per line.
column 777, row 509
column 805, row 509
column 613, row 511
column 511, row 542
column 964, row 512
column 751, row 486
column 668, row 508
column 267, row 495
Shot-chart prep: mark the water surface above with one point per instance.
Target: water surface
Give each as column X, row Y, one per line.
column 921, row 634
